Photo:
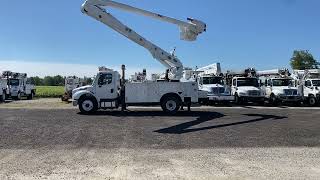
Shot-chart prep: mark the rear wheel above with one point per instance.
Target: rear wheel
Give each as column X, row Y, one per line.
column 88, row 105
column 18, row 97
column 237, row 99
column 30, row 96
column 170, row 104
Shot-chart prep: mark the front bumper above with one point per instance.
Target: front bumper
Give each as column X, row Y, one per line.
column 252, row 98
column 290, row 98
column 220, row 98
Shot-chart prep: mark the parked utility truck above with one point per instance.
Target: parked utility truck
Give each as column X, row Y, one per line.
column 211, row 79
column 71, row 83
column 19, row 85
column 245, row 86
column 278, row 86
column 3, row 89
column 109, row 90
column 308, row 83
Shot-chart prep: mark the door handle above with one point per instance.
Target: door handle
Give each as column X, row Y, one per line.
column 112, row 90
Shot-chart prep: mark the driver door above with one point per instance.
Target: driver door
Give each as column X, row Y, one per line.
column 106, row 87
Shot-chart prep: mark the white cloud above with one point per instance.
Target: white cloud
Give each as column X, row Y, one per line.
column 42, row 69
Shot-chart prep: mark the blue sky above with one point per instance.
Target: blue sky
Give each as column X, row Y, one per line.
column 246, row 33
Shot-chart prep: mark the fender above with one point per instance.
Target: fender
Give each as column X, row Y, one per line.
column 78, row 94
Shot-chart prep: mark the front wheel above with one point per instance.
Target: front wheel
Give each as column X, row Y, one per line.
column 237, row 99
column 170, row 104
column 3, row 97
column 312, row 101
column 88, row 105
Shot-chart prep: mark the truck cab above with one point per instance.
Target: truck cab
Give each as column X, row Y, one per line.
column 246, row 89
column 18, row 87
column 215, row 87
column 280, row 89
column 311, row 91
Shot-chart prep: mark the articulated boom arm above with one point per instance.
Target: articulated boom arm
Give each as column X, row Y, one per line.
column 189, row 31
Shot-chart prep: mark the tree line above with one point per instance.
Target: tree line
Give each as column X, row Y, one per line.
column 57, row 80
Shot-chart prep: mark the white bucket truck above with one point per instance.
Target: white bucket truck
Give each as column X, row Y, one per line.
column 19, row 85
column 71, row 83
column 308, row 83
column 3, row 89
column 108, row 91
column 278, row 86
column 245, row 86
column 211, row 80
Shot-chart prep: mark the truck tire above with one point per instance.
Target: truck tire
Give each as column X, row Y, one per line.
column 273, row 100
column 18, row 97
column 88, row 105
column 3, row 97
column 30, row 96
column 170, row 104
column 312, row 101
column 237, row 99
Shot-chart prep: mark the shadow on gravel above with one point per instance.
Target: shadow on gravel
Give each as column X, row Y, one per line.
column 183, row 128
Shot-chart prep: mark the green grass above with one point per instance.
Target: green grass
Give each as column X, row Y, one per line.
column 49, row 91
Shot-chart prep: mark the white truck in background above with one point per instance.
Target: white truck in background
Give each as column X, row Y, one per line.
column 308, row 83
column 109, row 91
column 3, row 89
column 19, row 85
column 211, row 79
column 71, row 83
column 278, row 86
column 245, row 86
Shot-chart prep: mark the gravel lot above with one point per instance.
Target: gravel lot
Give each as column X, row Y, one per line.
column 208, row 143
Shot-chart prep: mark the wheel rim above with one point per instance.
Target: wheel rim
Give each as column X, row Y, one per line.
column 87, row 105
column 171, row 105
column 312, row 101
column 3, row 97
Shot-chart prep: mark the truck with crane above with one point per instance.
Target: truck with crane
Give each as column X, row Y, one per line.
column 3, row 89
column 19, row 85
column 245, row 86
column 278, row 86
column 308, row 83
column 211, row 80
column 71, row 83
column 110, row 90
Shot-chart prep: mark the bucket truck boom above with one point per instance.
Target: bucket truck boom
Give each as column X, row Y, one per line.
column 189, row 31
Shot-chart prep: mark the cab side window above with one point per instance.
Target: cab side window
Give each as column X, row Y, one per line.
column 308, row 83
column 234, row 83
column 105, row 79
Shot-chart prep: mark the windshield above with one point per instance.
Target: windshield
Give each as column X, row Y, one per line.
column 14, row 82
column 316, row 82
column 281, row 82
column 248, row 82
column 212, row 80
column 70, row 81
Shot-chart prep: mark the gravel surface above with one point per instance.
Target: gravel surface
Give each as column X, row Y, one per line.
column 208, row 143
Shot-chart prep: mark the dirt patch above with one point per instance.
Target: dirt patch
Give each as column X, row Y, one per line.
column 41, row 103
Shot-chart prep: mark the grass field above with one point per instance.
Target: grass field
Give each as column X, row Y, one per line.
column 49, row 91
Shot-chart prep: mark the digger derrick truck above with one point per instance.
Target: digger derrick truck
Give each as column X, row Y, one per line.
column 245, row 86
column 3, row 89
column 278, row 86
column 211, row 80
column 109, row 91
column 308, row 83
column 19, row 85
column 71, row 83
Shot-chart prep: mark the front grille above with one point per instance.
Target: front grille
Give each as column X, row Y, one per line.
column 217, row 90
column 291, row 92
column 254, row 93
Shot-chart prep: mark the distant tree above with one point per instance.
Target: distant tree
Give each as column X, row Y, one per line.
column 58, row 80
column 37, row 81
column 303, row 60
column 48, row 81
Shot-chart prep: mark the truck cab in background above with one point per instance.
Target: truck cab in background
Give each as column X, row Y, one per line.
column 308, row 84
column 71, row 83
column 279, row 86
